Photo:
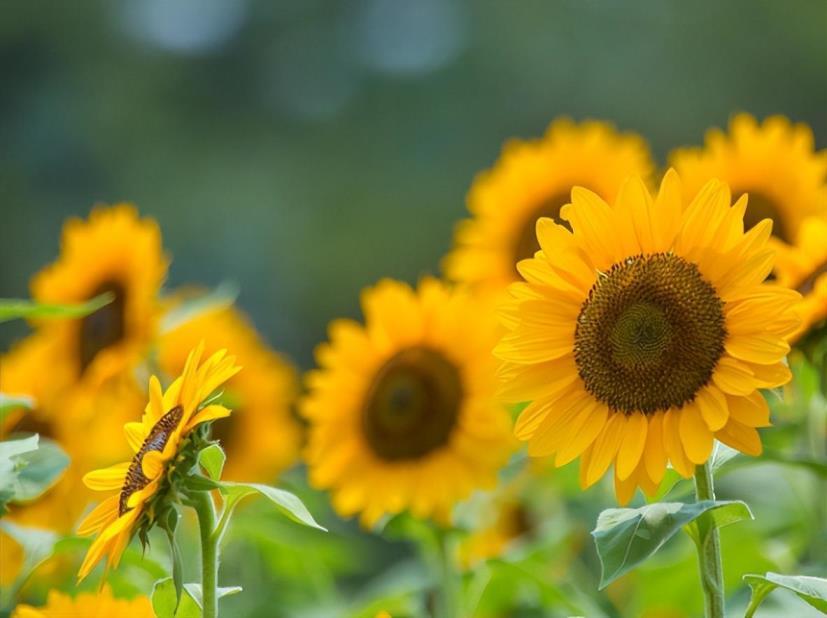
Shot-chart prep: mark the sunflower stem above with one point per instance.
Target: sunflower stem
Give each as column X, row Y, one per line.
column 448, row 593
column 205, row 510
column 709, row 548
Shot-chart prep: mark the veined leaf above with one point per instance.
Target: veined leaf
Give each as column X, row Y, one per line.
column 212, row 459
column 13, row 308
column 812, row 590
column 289, row 504
column 41, row 469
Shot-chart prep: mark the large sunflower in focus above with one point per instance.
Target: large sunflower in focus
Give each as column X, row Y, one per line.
column 86, row 605
column 401, row 411
column 803, row 267
column 775, row 163
column 533, row 179
column 262, row 436
column 645, row 333
column 114, row 251
column 156, row 440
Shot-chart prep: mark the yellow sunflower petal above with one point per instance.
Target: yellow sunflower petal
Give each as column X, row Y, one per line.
column 695, row 435
column 101, row 516
column 107, row 479
column 733, row 377
column 762, row 349
column 654, row 454
column 712, row 404
column 631, row 449
column 740, row 437
column 605, row 447
column 751, row 411
column 135, row 435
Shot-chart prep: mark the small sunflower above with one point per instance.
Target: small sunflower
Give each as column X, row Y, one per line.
column 402, row 413
column 510, row 520
column 157, row 440
column 803, row 267
column 114, row 251
column 645, row 333
column 775, row 163
column 533, row 179
column 262, row 437
column 87, row 605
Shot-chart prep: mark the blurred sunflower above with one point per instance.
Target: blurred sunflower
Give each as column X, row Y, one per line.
column 401, row 412
column 168, row 419
column 645, row 333
column 803, row 267
column 114, row 251
column 262, row 436
column 533, row 179
column 774, row 162
column 87, row 605
column 510, row 521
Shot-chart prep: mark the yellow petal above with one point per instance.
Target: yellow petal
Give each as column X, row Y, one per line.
column 587, row 427
column 733, row 377
column 762, row 349
column 605, row 447
column 107, row 479
column 712, row 404
column 152, row 464
column 740, row 437
column 695, row 435
column 562, row 413
column 673, row 446
column 135, row 435
column 751, row 411
column 209, row 413
column 101, row 516
column 631, row 449
column 654, row 454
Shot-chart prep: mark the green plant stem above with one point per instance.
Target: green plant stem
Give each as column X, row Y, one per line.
column 205, row 509
column 709, row 548
column 448, row 592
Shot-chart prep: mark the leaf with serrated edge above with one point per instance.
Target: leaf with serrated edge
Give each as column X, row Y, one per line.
column 626, row 537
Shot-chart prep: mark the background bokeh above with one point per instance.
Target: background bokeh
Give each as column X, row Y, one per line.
column 305, row 148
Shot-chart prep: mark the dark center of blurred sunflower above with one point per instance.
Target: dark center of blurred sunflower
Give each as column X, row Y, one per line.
column 156, row 441
column 760, row 207
column 526, row 244
column 104, row 327
column 412, row 405
column 649, row 335
column 809, row 282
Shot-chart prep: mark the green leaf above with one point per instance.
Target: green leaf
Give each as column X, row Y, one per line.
column 10, row 466
column 212, row 460
column 18, row 446
column 289, row 504
column 224, row 295
column 37, row 544
column 626, row 537
column 813, row 590
column 164, row 600
column 41, row 470
column 10, row 403
column 12, row 308
column 722, row 515
column 194, row 590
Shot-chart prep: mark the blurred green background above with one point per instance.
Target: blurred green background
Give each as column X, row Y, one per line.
column 305, row 148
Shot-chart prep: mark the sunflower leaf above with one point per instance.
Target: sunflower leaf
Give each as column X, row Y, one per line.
column 194, row 591
column 10, row 403
column 39, row 471
column 13, row 308
column 289, row 504
column 37, row 545
column 212, row 459
column 626, row 537
column 812, row 590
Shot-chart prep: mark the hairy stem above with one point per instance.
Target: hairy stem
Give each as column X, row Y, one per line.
column 709, row 548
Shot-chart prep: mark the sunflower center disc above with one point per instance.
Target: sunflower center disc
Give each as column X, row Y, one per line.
column 156, row 441
column 527, row 244
column 760, row 207
column 104, row 327
column 413, row 404
column 649, row 335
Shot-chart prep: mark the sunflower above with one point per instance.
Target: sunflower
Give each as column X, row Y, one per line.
column 803, row 267
column 114, row 251
column 533, row 179
column 87, row 605
column 262, row 436
column 402, row 414
column 510, row 520
column 157, row 439
column 645, row 334
column 775, row 163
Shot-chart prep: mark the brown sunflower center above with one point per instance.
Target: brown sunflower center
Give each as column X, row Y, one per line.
column 413, row 404
column 526, row 244
column 760, row 207
column 809, row 282
column 156, row 441
column 649, row 335
column 104, row 327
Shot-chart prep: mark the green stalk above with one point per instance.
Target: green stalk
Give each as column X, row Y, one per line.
column 448, row 592
column 709, row 548
column 205, row 510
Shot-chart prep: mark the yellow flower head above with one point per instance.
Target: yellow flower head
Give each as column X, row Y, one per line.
column 774, row 162
column 114, row 251
column 510, row 521
column 645, row 333
column 86, row 605
column 533, row 179
column 803, row 267
column 157, row 439
column 262, row 437
column 402, row 414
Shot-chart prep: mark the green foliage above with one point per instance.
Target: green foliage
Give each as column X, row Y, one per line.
column 10, row 403
column 287, row 503
column 12, row 308
column 626, row 537
column 212, row 459
column 813, row 590
column 28, row 467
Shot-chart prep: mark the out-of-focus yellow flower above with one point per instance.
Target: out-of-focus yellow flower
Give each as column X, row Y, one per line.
column 262, row 437
column 402, row 413
column 510, row 522
column 168, row 419
column 87, row 605
column 803, row 267
column 645, row 334
column 533, row 179
column 775, row 162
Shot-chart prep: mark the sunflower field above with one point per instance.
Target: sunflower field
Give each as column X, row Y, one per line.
column 432, row 309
